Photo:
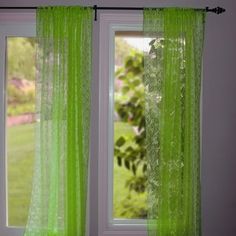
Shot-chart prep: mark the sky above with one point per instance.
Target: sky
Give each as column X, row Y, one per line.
column 139, row 43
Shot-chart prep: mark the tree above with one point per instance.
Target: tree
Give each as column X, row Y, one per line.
column 130, row 152
column 122, row 50
column 130, row 107
column 21, row 58
column 21, row 76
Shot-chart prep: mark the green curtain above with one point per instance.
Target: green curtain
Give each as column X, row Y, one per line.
column 172, row 75
column 58, row 205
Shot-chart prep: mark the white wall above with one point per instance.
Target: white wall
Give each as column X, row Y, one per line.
column 219, row 109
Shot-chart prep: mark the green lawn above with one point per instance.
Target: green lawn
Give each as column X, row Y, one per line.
column 20, row 145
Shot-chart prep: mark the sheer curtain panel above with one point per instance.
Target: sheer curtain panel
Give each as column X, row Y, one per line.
column 172, row 74
column 58, row 205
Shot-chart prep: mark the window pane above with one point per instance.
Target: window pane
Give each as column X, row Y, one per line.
column 129, row 173
column 20, row 126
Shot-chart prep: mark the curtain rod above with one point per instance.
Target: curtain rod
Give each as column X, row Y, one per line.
column 217, row 10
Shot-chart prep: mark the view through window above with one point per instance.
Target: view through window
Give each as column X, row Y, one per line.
column 129, row 173
column 20, row 118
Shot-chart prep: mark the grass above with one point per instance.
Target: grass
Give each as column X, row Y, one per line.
column 20, row 145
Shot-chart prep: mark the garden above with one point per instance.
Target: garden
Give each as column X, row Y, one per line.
column 129, row 131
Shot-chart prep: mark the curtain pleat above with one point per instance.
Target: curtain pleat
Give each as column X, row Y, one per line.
column 172, row 75
column 58, row 205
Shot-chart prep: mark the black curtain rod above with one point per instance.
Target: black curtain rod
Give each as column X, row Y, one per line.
column 217, row 10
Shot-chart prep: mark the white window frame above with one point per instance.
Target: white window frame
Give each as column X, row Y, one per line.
column 109, row 24
column 18, row 25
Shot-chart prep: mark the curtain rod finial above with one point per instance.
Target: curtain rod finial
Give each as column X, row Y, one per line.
column 217, row 10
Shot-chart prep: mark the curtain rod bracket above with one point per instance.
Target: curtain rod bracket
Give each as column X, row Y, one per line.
column 95, row 7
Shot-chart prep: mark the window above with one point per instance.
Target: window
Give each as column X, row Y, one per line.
column 17, row 70
column 22, row 27
column 110, row 220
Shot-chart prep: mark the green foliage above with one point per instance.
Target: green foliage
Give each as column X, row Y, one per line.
column 20, row 102
column 20, row 109
column 122, row 50
column 21, row 58
column 16, row 95
column 126, row 204
column 130, row 152
column 21, row 76
column 134, row 207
